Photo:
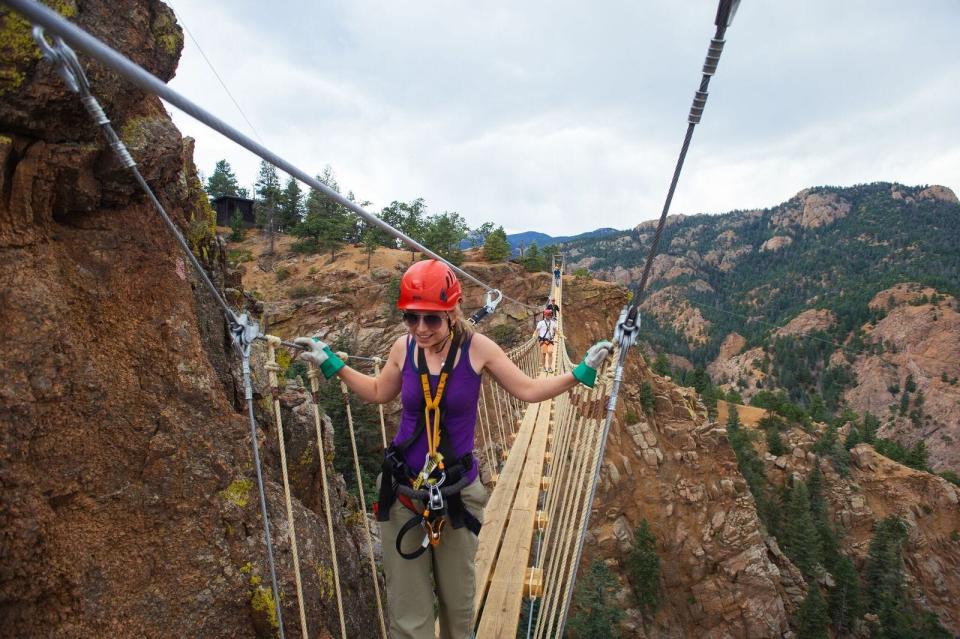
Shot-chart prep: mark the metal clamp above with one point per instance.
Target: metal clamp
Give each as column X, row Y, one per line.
column 493, row 299
column 435, row 501
column 628, row 327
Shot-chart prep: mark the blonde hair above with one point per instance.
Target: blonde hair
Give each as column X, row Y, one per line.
column 458, row 324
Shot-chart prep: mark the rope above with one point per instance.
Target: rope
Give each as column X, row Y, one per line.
column 484, row 426
column 273, row 368
column 383, row 426
column 313, row 373
column 344, row 391
column 123, row 66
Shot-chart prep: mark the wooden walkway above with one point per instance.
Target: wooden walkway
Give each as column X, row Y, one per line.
column 507, row 534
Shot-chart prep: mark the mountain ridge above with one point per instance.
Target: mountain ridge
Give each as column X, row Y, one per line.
column 825, row 253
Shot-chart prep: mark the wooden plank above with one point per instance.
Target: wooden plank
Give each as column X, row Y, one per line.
column 498, row 506
column 501, row 609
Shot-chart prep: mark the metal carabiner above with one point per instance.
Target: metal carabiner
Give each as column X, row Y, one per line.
column 491, row 301
column 65, row 60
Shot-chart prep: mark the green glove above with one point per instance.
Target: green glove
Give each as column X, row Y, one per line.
column 321, row 355
column 586, row 371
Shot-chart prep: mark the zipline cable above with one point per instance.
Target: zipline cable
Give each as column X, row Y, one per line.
column 123, row 66
column 628, row 324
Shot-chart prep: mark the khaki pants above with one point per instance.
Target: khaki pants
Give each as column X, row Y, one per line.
column 448, row 568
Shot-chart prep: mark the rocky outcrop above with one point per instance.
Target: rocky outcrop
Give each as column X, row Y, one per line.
column 669, row 308
column 921, row 340
column 128, row 502
column 937, row 192
column 674, row 468
column 732, row 345
column 810, row 209
column 776, row 243
column 809, row 321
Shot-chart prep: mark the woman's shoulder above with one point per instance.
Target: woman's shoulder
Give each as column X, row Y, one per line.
column 481, row 348
column 398, row 351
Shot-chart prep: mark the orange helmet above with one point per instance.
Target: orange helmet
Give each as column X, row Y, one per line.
column 429, row 285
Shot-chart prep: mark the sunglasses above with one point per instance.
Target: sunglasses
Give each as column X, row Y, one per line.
column 430, row 320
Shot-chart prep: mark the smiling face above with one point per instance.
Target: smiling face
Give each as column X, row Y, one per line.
column 428, row 328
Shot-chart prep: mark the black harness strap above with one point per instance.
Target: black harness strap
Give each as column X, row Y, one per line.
column 401, row 475
column 395, row 471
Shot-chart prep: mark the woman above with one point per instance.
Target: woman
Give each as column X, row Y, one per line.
column 436, row 369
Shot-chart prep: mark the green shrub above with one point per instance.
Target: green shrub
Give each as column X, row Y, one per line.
column 647, row 399
column 238, row 256
column 282, row 274
column 300, row 291
column 595, row 613
column 643, row 568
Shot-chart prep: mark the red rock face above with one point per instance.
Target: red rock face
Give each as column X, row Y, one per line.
column 126, row 500
column 922, row 340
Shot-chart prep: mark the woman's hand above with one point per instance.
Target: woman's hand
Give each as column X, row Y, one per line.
column 320, row 355
column 586, row 371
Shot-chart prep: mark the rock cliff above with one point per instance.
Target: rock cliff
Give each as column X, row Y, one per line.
column 127, row 504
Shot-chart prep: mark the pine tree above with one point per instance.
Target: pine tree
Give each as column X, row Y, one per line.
column 870, row 427
column 290, row 207
column 844, row 598
column 496, row 248
column 661, row 365
column 478, row 236
column 647, row 398
column 595, row 614
column 222, row 181
column 643, row 568
column 800, row 538
column 267, row 193
column 775, row 442
column 883, row 573
column 236, row 227
column 443, row 234
column 812, row 619
column 733, row 418
column 326, row 222
column 531, row 259
column 910, row 385
column 917, row 457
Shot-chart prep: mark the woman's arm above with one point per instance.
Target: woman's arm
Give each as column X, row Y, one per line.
column 486, row 352
column 384, row 387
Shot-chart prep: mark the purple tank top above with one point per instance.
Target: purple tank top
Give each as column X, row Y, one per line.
column 460, row 417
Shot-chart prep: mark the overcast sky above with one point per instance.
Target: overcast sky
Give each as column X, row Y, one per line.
column 563, row 117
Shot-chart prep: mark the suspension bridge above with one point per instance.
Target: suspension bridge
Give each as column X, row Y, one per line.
column 542, row 459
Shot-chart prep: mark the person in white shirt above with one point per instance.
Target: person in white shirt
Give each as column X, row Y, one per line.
column 546, row 334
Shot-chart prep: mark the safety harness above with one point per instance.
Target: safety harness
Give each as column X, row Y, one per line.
column 443, row 476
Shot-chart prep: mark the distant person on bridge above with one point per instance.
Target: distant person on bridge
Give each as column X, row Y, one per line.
column 556, row 276
column 553, row 306
column 436, row 370
column 547, row 335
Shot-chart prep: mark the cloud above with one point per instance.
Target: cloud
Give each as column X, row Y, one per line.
column 559, row 118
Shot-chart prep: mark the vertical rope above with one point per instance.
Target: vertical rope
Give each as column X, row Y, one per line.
column 272, row 369
column 585, row 511
column 313, row 374
column 484, row 425
column 498, row 410
column 383, row 426
column 345, row 392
